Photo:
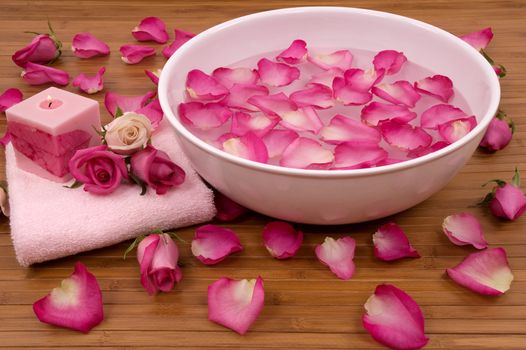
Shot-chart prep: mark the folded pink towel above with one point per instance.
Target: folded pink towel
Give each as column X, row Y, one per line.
column 49, row 221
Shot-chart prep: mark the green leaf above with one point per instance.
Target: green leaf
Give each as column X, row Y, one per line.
column 487, row 199
column 499, row 182
column 512, row 126
column 516, row 180
column 75, row 184
column 139, row 182
column 501, row 115
column 132, row 246
column 30, row 32
column 118, row 112
column 176, row 236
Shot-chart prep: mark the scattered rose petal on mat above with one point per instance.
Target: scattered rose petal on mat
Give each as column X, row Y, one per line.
column 438, row 114
column 112, row 101
column 241, row 93
column 90, row 84
column 153, row 112
column 486, row 272
column 306, row 153
column 343, row 129
column 389, row 61
column 480, row 39
column 499, row 133
column 318, row 96
column 9, row 98
column 156, row 169
column 212, row 244
column 394, row 319
column 404, row 136
column 339, row 59
column 42, row 49
column 281, row 239
column 464, row 229
column 278, row 140
column 276, row 74
column 358, row 155
column 438, row 86
column 400, row 93
column 302, row 119
column 201, row 86
column 227, row 209
column 133, row 54
column 4, row 140
column 37, row 74
column 204, row 116
column 338, row 255
column 391, row 243
column 295, row 53
column 128, row 134
column 76, row 304
column 153, row 75
column 228, row 77
column 248, row 146
column 361, row 80
column 273, row 105
column 375, row 112
column 86, row 45
column 508, row 202
column 259, row 124
column 235, row 304
column 158, row 256
column 325, row 78
column 181, row 37
column 454, row 130
column 345, row 93
column 151, row 29
column 4, row 202
column 422, row 151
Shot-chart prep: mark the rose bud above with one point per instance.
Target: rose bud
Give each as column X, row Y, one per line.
column 43, row 49
column 506, row 200
column 499, row 133
column 157, row 255
column 155, row 168
column 128, row 134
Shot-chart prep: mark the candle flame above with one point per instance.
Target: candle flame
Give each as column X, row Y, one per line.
column 49, row 98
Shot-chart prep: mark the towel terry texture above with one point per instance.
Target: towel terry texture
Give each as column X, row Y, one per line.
column 49, row 221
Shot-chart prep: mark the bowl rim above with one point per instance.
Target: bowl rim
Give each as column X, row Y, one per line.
column 275, row 169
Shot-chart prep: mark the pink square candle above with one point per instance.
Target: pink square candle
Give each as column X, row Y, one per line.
column 49, row 127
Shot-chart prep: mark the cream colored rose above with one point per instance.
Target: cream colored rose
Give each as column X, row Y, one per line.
column 128, row 133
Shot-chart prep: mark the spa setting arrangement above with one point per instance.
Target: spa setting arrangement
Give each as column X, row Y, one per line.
column 263, row 175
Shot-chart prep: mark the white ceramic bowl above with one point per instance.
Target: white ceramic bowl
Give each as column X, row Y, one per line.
column 321, row 196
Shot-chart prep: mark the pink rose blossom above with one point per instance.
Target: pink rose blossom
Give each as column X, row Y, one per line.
column 42, row 49
column 507, row 200
column 499, row 133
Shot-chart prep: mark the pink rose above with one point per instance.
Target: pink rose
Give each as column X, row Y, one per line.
column 157, row 255
column 42, row 49
column 100, row 170
column 498, row 135
column 509, row 202
column 155, row 168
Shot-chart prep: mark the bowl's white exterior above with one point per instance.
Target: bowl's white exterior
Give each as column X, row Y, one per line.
column 343, row 196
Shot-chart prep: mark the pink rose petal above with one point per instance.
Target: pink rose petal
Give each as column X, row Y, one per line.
column 276, row 74
column 394, row 319
column 400, row 93
column 230, row 76
column 404, row 136
column 235, row 304
column 343, row 129
column 358, row 154
column 10, row 97
column 37, row 74
column 295, row 53
column 438, row 114
column 464, row 229
column 318, row 96
column 498, row 135
column 248, row 146
column 422, row 151
column 278, row 140
column 181, row 37
column 347, row 95
column 509, row 202
column 454, row 130
column 325, row 78
column 133, row 54
column 212, row 244
column 153, row 112
column 240, row 94
column 259, row 124
column 438, row 86
column 391, row 243
column 480, row 39
column 153, row 75
column 86, row 45
column 361, row 80
column 125, row 103
column 4, row 140
column 306, row 153
column 486, row 272
column 339, row 59
column 281, row 239
column 201, row 86
column 151, row 29
column 338, row 255
column 227, row 209
column 273, row 105
column 375, row 112
column 204, row 116
column 302, row 119
column 90, row 84
column 76, row 304
column 389, row 61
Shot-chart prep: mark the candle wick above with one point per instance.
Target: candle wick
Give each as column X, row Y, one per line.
column 49, row 105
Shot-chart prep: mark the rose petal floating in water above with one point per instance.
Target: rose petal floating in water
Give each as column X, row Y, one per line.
column 438, row 114
column 278, row 140
column 358, row 154
column 200, row 86
column 240, row 94
column 375, row 112
column 295, row 53
column 231, row 76
column 276, row 74
column 304, row 153
column 438, row 86
column 389, row 61
column 341, row 59
column 318, row 96
column 344, row 129
column 248, row 146
column 404, row 136
column 454, row 130
column 400, row 93
column 204, row 116
column 259, row 124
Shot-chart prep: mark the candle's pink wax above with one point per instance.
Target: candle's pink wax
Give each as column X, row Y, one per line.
column 50, row 137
